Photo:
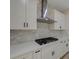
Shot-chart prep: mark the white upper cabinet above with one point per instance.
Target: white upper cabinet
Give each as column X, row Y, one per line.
column 59, row 19
column 17, row 14
column 31, row 14
column 23, row 14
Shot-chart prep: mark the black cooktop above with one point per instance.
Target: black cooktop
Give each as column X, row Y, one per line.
column 42, row 41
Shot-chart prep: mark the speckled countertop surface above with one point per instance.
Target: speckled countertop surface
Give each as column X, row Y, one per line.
column 27, row 47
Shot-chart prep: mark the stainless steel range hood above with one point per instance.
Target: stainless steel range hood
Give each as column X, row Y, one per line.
column 44, row 18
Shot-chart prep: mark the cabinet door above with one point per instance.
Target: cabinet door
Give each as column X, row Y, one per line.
column 47, row 52
column 60, row 20
column 17, row 14
column 58, row 51
column 31, row 13
column 65, row 46
column 23, row 14
column 37, row 54
column 53, row 51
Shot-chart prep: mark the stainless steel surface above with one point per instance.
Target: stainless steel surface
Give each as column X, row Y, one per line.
column 44, row 18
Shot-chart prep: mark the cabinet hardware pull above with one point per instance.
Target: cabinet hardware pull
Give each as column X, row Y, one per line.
column 27, row 24
column 67, row 45
column 37, row 51
column 60, row 27
column 24, row 24
column 53, row 53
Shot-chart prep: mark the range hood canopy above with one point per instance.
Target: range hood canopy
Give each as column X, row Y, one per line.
column 44, row 18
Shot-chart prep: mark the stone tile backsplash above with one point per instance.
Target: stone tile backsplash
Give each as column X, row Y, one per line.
column 21, row 36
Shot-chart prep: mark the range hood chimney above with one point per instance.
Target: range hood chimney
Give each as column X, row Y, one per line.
column 44, row 18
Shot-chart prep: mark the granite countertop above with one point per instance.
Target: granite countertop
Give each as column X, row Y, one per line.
column 27, row 47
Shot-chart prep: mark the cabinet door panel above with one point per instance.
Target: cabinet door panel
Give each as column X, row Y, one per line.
column 17, row 14
column 31, row 13
column 65, row 48
column 47, row 52
column 60, row 18
column 23, row 14
column 58, row 51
